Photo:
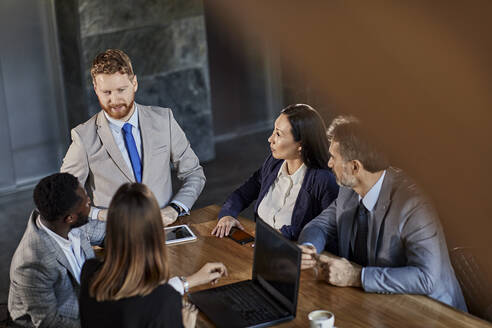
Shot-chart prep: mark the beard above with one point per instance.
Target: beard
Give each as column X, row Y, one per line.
column 110, row 109
column 345, row 179
column 81, row 220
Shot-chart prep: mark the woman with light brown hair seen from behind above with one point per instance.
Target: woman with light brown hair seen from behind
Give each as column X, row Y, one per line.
column 130, row 287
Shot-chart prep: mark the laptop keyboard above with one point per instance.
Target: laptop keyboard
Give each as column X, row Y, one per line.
column 247, row 300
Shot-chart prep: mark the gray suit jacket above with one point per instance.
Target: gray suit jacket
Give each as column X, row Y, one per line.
column 94, row 158
column 43, row 289
column 407, row 251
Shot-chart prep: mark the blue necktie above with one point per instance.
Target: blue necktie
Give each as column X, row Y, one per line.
column 131, row 147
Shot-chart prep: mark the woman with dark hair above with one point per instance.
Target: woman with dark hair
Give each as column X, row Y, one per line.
column 130, row 287
column 294, row 183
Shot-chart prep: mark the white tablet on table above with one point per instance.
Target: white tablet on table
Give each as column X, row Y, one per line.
column 178, row 234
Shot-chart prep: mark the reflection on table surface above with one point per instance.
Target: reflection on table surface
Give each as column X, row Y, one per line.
column 352, row 306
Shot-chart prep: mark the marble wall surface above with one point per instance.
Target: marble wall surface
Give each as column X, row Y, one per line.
column 166, row 41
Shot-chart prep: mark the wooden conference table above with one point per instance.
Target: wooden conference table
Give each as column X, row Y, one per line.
column 352, row 307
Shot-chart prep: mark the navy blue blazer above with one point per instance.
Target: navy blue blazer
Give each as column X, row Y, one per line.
column 318, row 190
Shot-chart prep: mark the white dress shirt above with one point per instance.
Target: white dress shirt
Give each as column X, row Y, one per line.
column 177, row 284
column 278, row 204
column 71, row 248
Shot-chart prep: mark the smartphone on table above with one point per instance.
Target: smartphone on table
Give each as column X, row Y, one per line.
column 240, row 236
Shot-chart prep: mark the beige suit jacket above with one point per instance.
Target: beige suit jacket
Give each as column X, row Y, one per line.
column 94, row 158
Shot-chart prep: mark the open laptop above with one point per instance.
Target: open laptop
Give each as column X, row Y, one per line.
column 270, row 297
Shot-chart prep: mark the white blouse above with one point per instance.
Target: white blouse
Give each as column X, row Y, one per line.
column 278, row 204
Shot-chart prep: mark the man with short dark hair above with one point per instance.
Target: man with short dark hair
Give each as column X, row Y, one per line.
column 387, row 234
column 129, row 142
column 45, row 269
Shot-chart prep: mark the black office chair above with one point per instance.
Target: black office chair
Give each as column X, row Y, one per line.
column 473, row 267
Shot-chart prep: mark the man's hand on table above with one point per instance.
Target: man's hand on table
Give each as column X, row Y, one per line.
column 339, row 271
column 308, row 258
column 210, row 272
column 225, row 225
column 169, row 215
column 334, row 270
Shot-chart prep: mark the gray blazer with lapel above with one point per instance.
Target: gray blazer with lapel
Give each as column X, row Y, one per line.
column 94, row 158
column 407, row 251
column 43, row 291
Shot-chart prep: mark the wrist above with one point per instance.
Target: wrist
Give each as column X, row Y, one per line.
column 186, row 284
column 192, row 280
column 176, row 208
column 357, row 280
column 101, row 215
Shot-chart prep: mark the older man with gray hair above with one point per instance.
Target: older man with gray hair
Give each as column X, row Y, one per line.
column 385, row 235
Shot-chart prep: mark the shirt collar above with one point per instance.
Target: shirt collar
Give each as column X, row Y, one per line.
column 61, row 241
column 372, row 195
column 296, row 177
column 117, row 125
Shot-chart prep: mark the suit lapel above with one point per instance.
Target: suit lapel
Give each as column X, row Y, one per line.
column 307, row 183
column 271, row 177
column 302, row 202
column 53, row 246
column 267, row 182
column 62, row 259
column 346, row 220
column 144, row 120
column 380, row 211
column 104, row 132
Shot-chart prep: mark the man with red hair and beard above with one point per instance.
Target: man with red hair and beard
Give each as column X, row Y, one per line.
column 129, row 142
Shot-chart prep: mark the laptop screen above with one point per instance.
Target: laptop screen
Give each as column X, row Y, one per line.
column 277, row 265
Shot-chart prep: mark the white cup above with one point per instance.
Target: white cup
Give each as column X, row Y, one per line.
column 321, row 319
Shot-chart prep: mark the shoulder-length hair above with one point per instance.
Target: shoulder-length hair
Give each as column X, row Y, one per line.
column 309, row 129
column 135, row 260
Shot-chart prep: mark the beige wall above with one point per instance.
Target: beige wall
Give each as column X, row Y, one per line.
column 419, row 73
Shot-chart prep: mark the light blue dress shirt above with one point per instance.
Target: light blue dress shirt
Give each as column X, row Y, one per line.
column 116, row 126
column 372, row 196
